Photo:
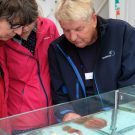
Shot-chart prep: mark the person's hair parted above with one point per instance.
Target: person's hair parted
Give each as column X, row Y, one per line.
column 20, row 11
column 74, row 9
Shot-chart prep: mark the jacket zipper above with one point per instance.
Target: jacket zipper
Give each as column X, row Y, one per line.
column 47, row 102
column 38, row 71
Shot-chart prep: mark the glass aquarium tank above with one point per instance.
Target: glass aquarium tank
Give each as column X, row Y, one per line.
column 111, row 113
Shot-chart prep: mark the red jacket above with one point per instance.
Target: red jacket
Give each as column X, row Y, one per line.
column 3, row 104
column 28, row 75
column 3, row 88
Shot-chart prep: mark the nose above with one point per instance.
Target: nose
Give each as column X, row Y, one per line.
column 73, row 36
column 18, row 30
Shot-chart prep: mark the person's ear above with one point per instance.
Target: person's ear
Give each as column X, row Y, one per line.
column 94, row 20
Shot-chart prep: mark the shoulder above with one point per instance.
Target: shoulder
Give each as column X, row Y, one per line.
column 47, row 27
column 113, row 23
column 122, row 27
column 61, row 44
column 119, row 24
column 41, row 21
column 61, row 41
column 115, row 26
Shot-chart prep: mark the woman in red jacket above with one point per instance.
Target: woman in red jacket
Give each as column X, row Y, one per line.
column 25, row 60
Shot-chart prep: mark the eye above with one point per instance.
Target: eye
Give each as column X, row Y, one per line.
column 15, row 25
column 66, row 31
column 80, row 29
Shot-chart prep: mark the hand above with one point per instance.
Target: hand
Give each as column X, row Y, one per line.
column 95, row 123
column 70, row 116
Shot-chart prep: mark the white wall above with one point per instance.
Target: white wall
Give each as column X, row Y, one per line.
column 101, row 8
column 46, row 9
column 127, row 11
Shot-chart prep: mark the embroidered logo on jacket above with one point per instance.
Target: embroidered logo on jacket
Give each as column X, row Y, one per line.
column 45, row 38
column 110, row 54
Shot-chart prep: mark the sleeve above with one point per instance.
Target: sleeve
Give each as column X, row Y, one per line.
column 3, row 85
column 53, row 29
column 127, row 76
column 58, row 88
column 4, row 81
column 56, row 33
column 56, row 80
column 3, row 110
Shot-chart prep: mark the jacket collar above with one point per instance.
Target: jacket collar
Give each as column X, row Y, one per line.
column 101, row 26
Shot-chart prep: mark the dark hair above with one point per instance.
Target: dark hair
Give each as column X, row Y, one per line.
column 19, row 11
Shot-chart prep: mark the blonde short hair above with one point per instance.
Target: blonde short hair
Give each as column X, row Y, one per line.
column 73, row 10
